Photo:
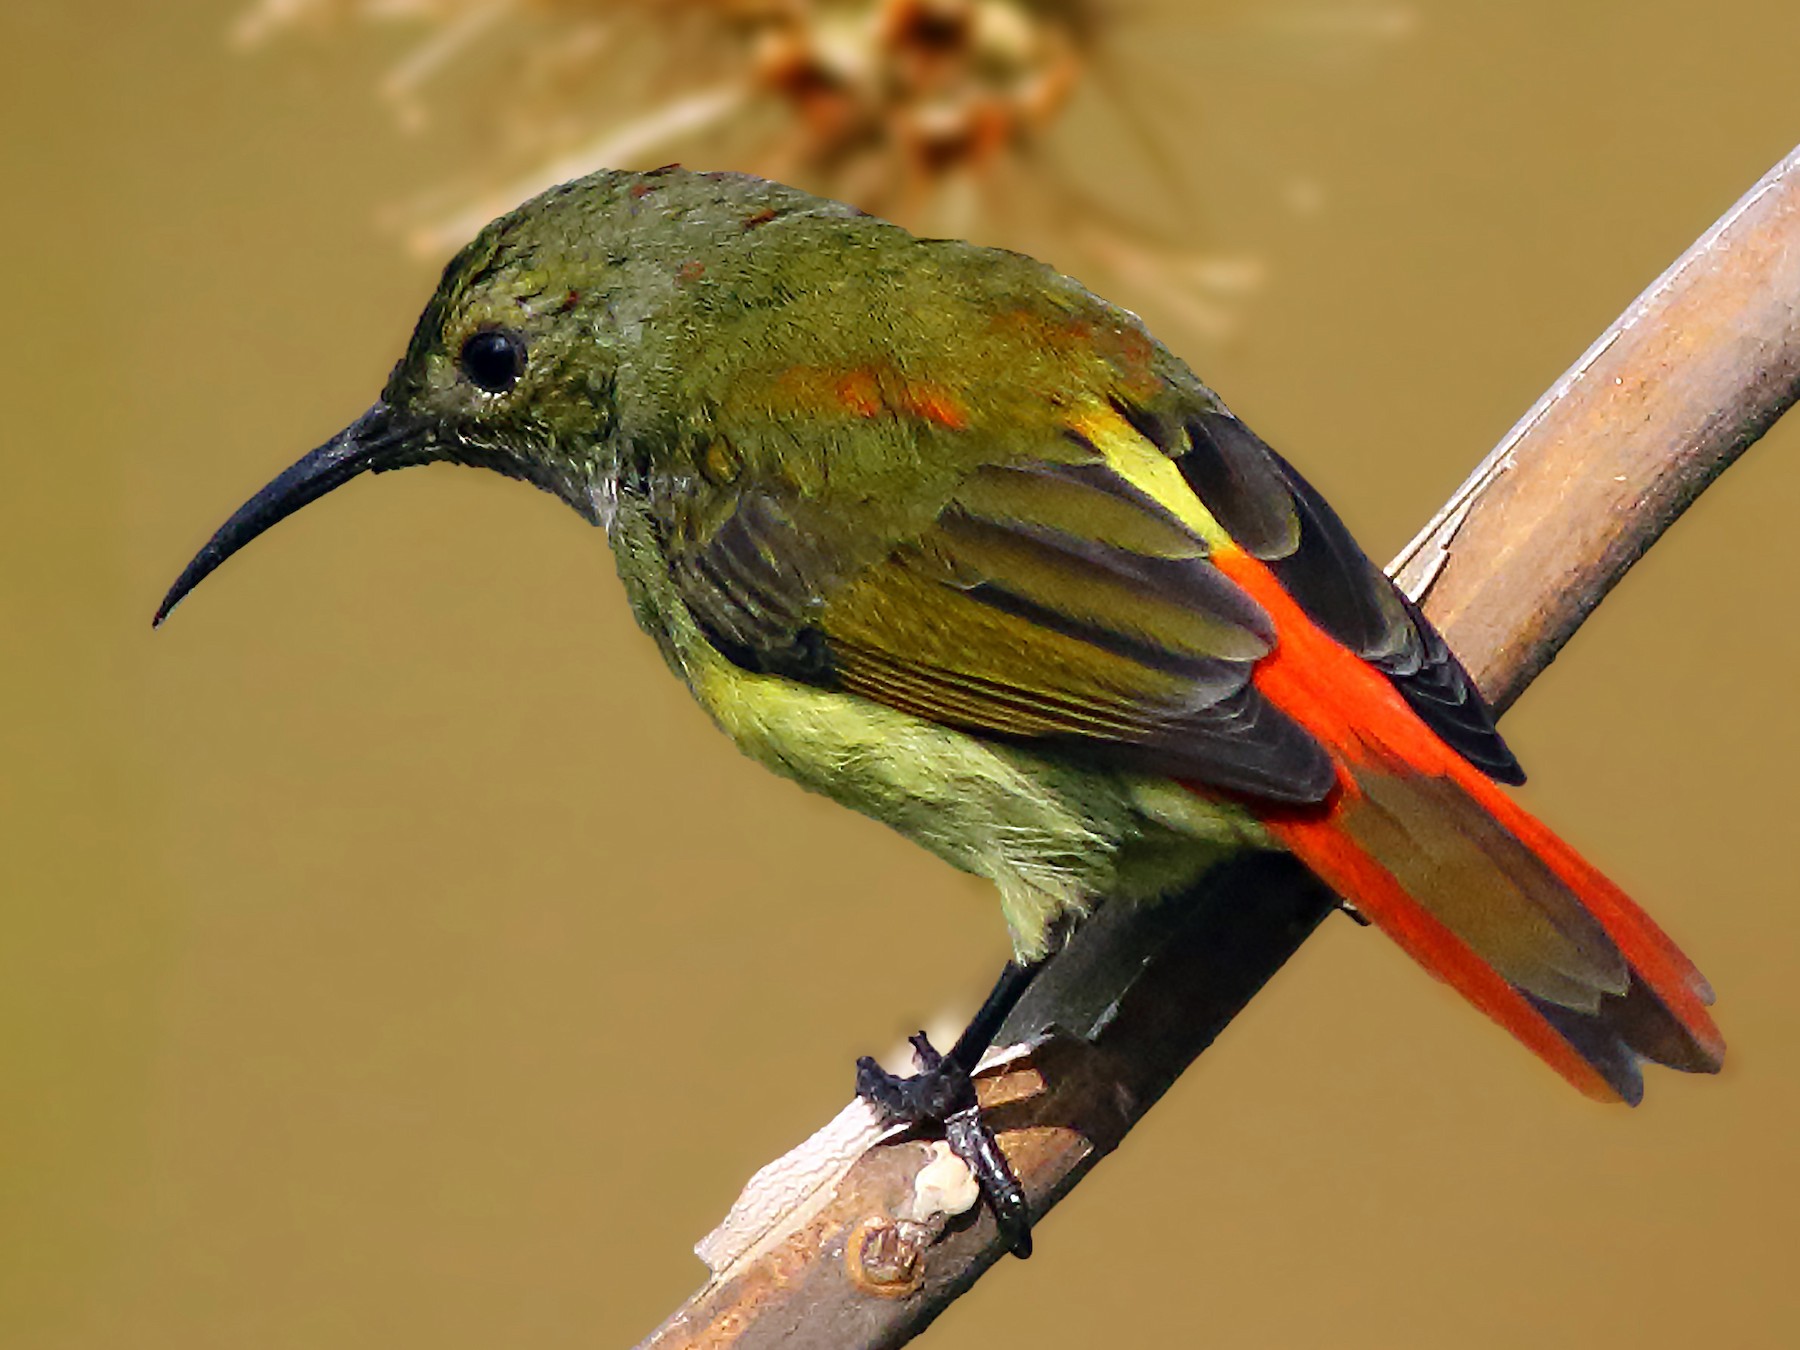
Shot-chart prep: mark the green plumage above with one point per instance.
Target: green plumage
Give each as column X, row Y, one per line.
column 924, row 526
column 931, row 530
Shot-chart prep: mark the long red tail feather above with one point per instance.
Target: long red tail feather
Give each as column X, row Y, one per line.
column 1467, row 881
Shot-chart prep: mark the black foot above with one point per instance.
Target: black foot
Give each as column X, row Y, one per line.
column 941, row 1098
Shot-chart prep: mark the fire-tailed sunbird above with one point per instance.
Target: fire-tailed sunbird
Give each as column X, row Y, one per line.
column 934, row 531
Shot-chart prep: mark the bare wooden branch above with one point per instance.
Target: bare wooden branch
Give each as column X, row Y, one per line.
column 1695, row 370
column 850, row 1241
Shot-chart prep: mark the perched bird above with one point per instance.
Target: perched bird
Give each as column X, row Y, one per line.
column 934, row 531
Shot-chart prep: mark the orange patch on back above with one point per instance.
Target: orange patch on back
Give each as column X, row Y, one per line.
column 873, row 391
column 860, row 392
column 936, row 404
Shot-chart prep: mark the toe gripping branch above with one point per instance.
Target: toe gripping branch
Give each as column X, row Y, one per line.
column 940, row 1097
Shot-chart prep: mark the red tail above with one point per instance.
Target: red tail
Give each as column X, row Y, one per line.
column 1474, row 887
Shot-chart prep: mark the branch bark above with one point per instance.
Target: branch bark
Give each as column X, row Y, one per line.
column 852, row 1240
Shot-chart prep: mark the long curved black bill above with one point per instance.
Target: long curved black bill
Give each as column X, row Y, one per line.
column 379, row 439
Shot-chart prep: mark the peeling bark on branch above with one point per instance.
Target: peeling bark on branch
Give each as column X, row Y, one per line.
column 850, row 1242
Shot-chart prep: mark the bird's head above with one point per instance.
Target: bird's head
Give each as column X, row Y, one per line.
column 515, row 364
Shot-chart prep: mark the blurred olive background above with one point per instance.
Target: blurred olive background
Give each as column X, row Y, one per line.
column 391, row 955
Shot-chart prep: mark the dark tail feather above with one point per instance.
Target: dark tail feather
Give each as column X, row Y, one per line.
column 1485, row 897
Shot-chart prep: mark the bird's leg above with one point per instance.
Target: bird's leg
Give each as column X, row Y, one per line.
column 941, row 1095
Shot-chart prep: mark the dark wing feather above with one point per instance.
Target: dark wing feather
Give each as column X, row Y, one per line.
column 1032, row 633
column 1045, row 603
column 1277, row 516
column 1050, row 601
column 752, row 584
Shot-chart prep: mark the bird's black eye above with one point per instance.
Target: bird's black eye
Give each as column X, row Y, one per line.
column 493, row 359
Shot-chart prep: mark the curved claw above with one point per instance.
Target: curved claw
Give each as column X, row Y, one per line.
column 941, row 1096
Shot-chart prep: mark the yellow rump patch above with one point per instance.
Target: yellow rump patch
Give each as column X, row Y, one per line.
column 1142, row 464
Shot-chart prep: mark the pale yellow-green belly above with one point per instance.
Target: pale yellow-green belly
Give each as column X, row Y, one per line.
column 1053, row 836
